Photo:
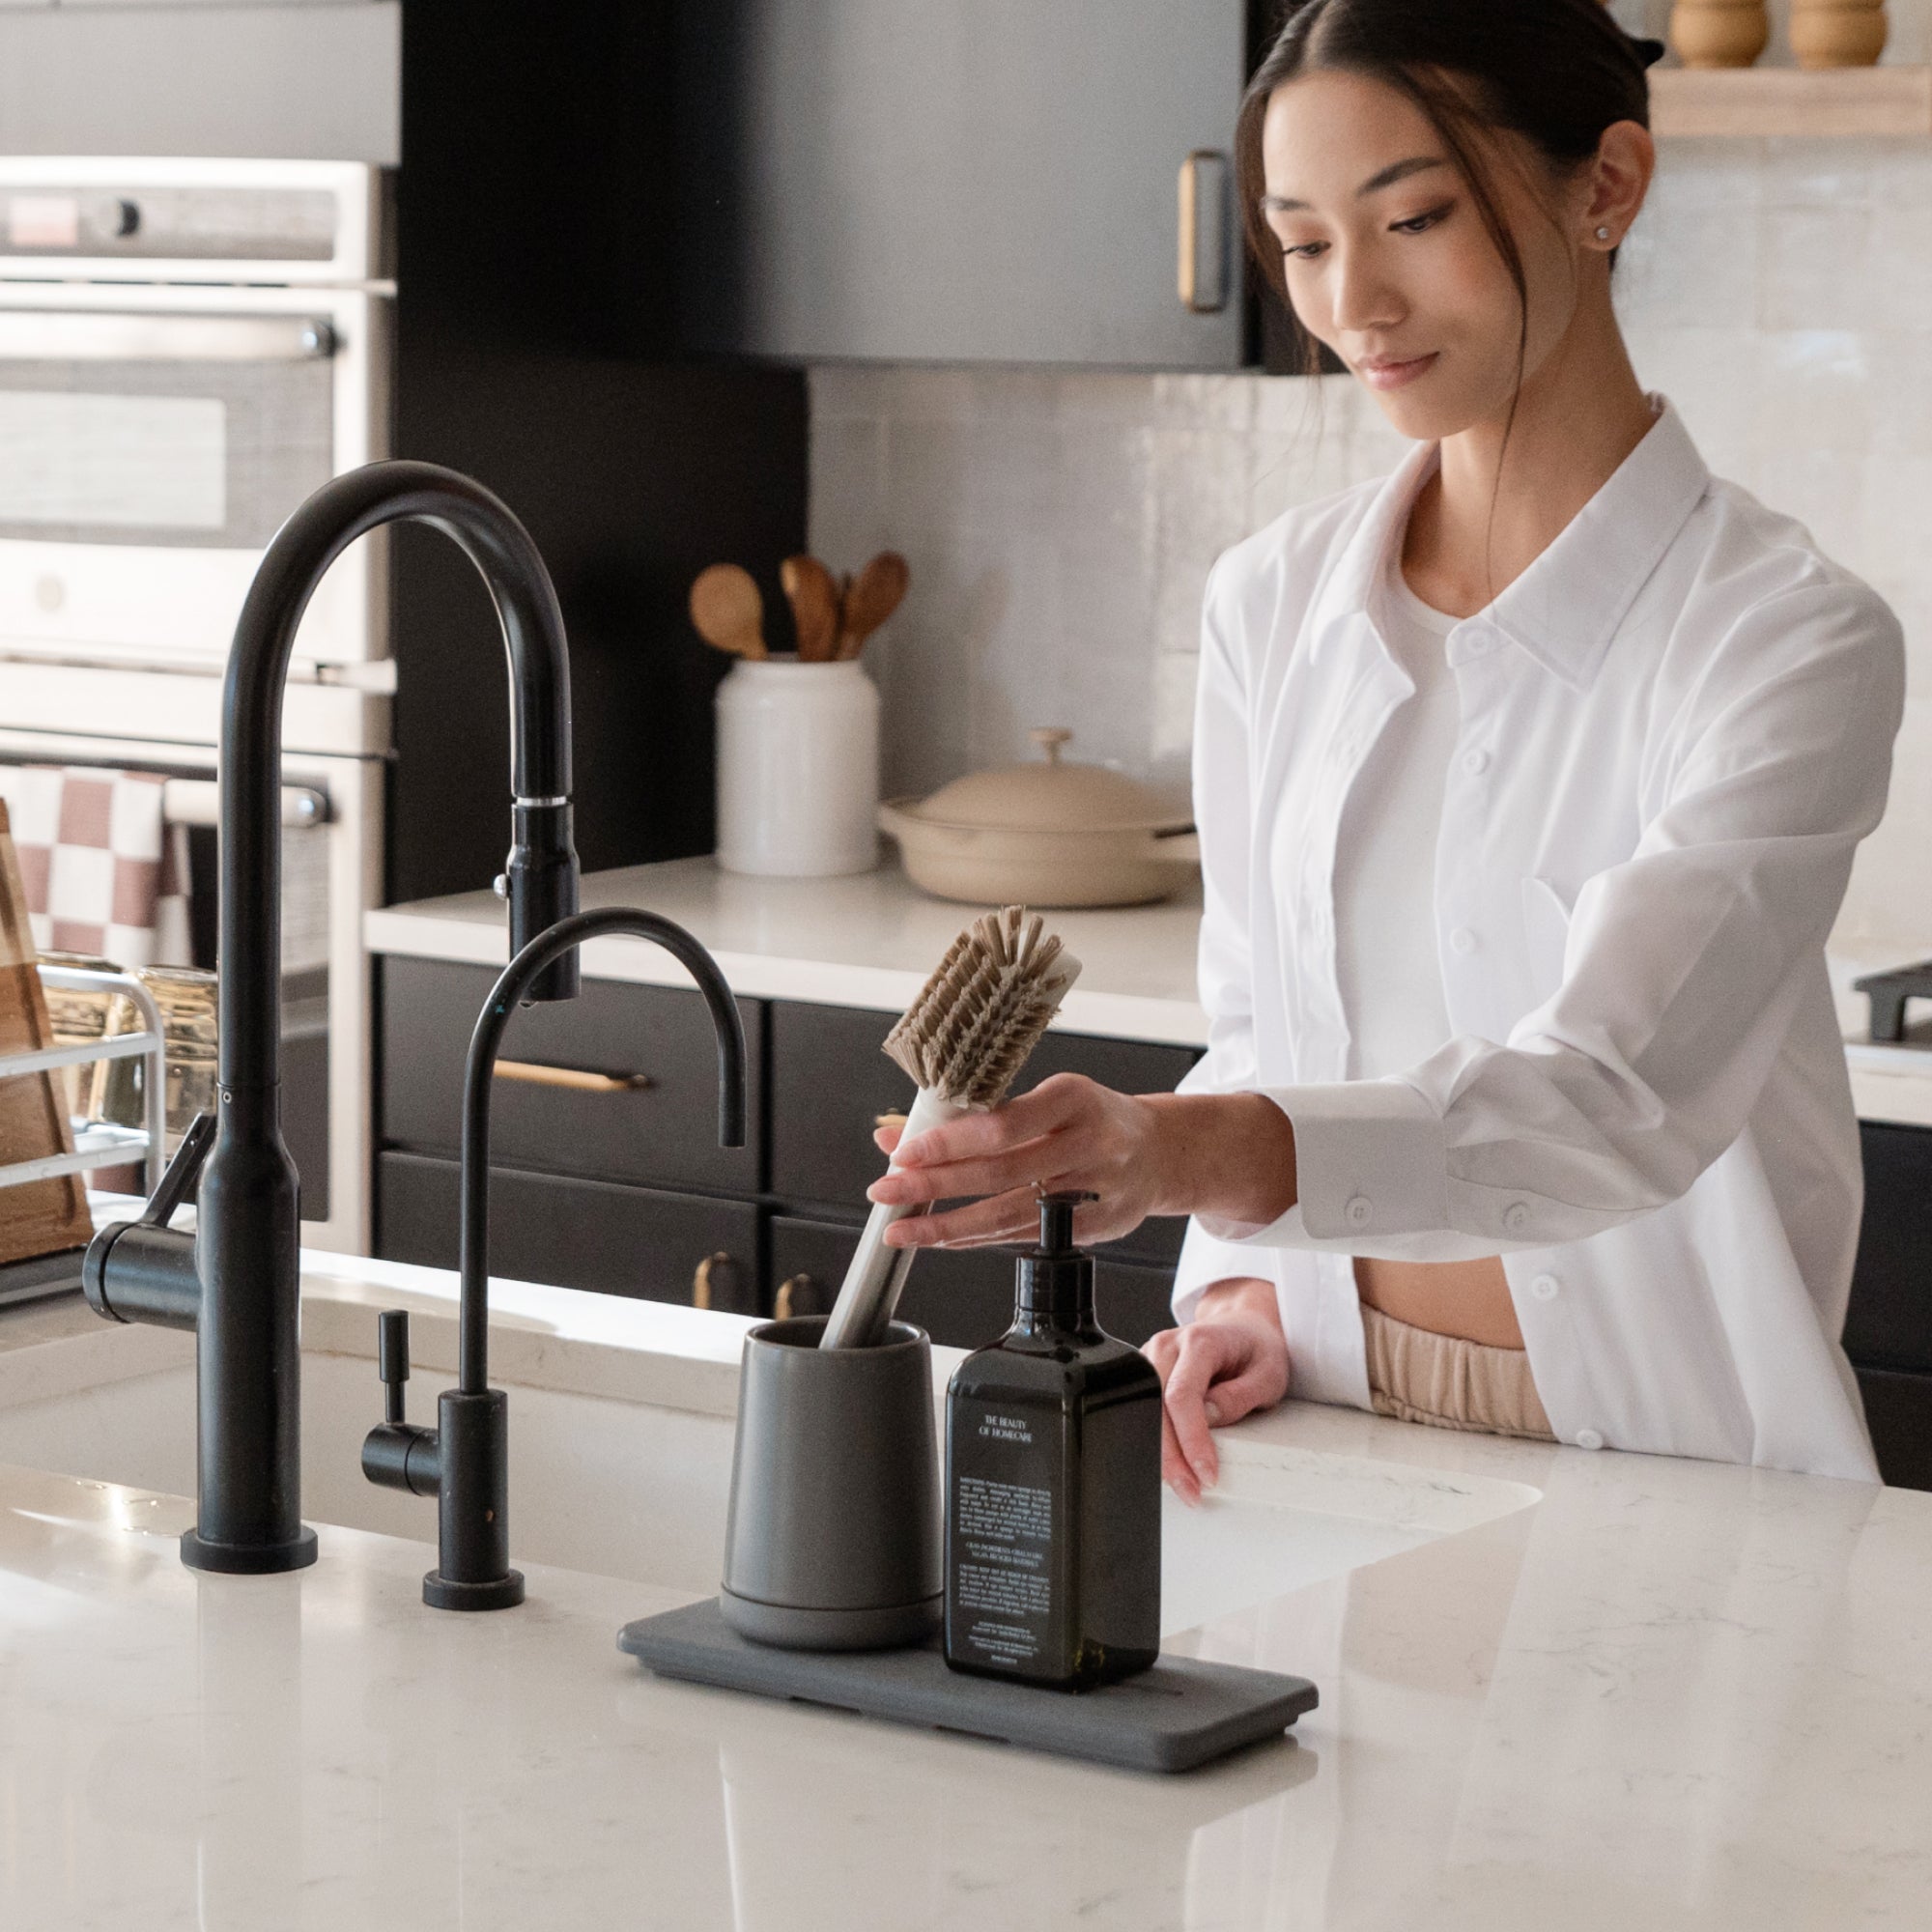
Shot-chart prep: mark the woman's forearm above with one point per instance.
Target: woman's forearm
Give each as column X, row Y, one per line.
column 1230, row 1156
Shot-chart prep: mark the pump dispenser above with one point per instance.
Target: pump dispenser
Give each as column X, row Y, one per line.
column 1053, row 1486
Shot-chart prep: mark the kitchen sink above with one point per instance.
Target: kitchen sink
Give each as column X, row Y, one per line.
column 637, row 1488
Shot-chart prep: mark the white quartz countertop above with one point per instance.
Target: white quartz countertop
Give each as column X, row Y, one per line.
column 866, row 940
column 870, row 939
column 1666, row 1694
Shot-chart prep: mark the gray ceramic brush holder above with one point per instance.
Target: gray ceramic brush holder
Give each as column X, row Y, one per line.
column 833, row 1539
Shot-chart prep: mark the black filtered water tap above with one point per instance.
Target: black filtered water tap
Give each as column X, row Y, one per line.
column 465, row 1461
column 236, row 1281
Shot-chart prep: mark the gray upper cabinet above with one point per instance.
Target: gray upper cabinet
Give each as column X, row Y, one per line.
column 976, row 181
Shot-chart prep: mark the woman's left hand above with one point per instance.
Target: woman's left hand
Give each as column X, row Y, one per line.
column 1069, row 1134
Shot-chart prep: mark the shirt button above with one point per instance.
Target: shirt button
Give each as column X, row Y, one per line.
column 1476, row 643
column 1516, row 1218
column 1475, row 763
column 1359, row 1212
column 1589, row 1438
column 1463, row 941
column 1545, row 1287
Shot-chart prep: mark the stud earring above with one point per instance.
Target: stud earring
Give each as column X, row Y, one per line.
column 1603, row 235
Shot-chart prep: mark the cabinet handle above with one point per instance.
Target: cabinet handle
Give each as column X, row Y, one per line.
column 889, row 1119
column 789, row 1289
column 700, row 1282
column 533, row 1073
column 1204, row 232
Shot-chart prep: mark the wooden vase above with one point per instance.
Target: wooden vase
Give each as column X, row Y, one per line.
column 1838, row 33
column 1719, row 32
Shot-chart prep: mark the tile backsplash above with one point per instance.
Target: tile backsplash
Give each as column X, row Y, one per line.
column 1060, row 524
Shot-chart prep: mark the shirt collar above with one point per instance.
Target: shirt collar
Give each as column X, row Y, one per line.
column 1567, row 607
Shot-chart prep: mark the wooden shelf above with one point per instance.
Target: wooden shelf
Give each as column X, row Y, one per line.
column 1689, row 103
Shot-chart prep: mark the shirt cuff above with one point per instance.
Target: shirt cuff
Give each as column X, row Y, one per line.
column 1371, row 1161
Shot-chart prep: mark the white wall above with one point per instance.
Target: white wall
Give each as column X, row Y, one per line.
column 289, row 80
column 1059, row 527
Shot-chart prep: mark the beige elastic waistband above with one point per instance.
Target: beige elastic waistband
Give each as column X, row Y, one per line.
column 1415, row 1375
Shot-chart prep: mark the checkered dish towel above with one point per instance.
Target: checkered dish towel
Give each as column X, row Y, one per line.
column 104, row 872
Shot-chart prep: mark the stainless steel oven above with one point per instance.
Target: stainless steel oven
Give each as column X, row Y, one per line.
column 187, row 348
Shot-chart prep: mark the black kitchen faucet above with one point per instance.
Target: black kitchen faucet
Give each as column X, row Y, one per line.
column 235, row 1281
column 464, row 1461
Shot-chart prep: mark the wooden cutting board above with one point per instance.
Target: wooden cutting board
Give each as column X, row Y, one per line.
column 43, row 1217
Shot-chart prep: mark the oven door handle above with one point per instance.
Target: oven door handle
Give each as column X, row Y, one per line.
column 70, row 335
column 198, row 802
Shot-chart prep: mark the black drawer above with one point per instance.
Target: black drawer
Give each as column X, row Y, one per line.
column 1888, row 1323
column 830, row 1083
column 1900, row 1408
column 575, row 1233
column 962, row 1298
column 664, row 1133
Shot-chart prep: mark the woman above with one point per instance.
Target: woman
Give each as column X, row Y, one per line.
column 1528, row 782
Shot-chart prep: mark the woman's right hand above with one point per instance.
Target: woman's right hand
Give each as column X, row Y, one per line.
column 1230, row 1360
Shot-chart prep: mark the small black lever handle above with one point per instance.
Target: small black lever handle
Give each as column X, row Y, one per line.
column 396, row 1453
column 155, row 1274
column 183, row 1172
column 392, row 1358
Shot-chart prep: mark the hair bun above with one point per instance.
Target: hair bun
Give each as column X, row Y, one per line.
column 1648, row 52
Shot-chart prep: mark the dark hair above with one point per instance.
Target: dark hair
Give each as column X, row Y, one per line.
column 1555, row 71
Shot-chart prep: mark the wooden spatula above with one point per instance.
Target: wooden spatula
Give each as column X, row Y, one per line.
column 728, row 612
column 872, row 597
column 815, row 607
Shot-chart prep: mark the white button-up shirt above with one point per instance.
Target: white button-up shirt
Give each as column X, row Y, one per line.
column 1675, row 727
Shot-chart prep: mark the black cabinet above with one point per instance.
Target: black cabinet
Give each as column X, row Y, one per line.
column 622, row 1189
column 963, row 1298
column 831, row 1085
column 577, row 1234
column 1888, row 1323
column 961, row 181
column 655, row 1121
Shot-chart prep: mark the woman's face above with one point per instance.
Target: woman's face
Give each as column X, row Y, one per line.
column 1387, row 261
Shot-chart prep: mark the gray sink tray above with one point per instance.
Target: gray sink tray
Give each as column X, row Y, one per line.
column 1180, row 1713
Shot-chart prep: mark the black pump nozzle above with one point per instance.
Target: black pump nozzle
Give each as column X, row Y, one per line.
column 1056, row 1279
column 1056, row 1222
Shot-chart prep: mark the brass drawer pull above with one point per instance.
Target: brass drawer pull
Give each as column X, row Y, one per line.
column 782, row 1301
column 702, row 1280
column 889, row 1119
column 533, row 1073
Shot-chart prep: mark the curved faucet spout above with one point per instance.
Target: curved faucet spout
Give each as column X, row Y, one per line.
column 240, row 1287
column 465, row 1461
column 542, row 872
column 508, row 993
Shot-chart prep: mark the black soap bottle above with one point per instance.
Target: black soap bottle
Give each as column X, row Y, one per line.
column 1053, row 1486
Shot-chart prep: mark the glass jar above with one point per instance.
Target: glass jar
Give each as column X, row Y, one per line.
column 185, row 997
column 79, row 1016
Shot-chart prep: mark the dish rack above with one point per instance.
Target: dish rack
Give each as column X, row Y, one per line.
column 101, row 1143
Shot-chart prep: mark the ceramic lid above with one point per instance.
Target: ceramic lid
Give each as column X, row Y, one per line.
column 1055, row 795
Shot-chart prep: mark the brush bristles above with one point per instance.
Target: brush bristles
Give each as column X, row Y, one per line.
column 969, row 1033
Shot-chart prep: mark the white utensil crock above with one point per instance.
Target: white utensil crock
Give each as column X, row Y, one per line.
column 798, row 769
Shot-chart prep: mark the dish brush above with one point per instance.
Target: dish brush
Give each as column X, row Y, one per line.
column 963, row 1041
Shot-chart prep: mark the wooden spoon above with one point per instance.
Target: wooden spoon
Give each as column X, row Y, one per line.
column 815, row 607
column 727, row 610
column 871, row 599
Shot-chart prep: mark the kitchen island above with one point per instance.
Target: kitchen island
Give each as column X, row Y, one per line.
column 1585, row 1690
